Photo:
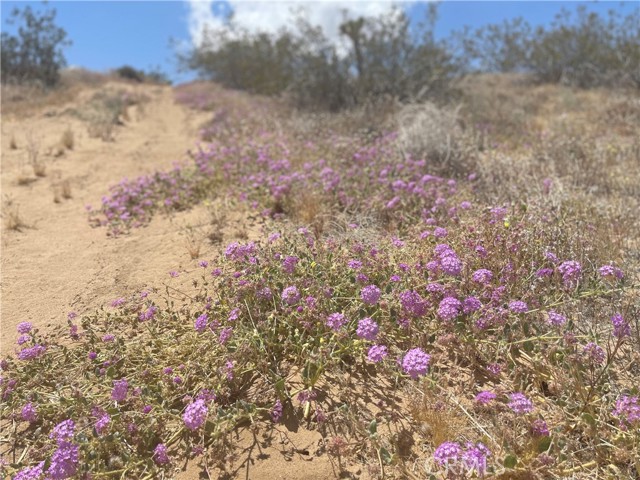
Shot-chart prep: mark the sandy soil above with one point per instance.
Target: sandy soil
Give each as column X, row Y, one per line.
column 58, row 263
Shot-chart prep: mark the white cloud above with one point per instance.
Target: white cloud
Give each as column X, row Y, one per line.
column 270, row 16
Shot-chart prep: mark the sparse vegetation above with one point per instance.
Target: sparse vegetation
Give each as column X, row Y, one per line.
column 35, row 53
column 11, row 216
column 440, row 289
column 68, row 139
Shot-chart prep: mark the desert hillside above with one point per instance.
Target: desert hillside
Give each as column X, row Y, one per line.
column 210, row 284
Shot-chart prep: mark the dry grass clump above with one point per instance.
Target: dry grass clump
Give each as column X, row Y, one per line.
column 108, row 109
column 68, row 139
column 62, row 191
column 430, row 132
column 33, row 155
column 11, row 215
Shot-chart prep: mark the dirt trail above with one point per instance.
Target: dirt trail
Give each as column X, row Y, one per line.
column 58, row 263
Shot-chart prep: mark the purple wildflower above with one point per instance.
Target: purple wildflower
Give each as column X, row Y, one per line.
column 440, row 232
column 485, row 397
column 29, row 413
column 354, row 264
column 225, row 335
column 376, row 353
column 195, row 415
column 24, row 327
column 627, row 410
column 518, row 306
column 556, row 319
column 475, row 457
column 544, row 272
column 264, row 293
column 276, row 411
column 30, row 473
column 367, row 329
column 621, row 327
column 370, row 294
column 611, row 271
column 570, row 271
column 120, row 390
column 109, row 337
column 160, row 454
column 413, row 303
column 30, row 353
column 102, row 419
column 22, row 339
column 92, row 355
column 448, row 260
column 447, row 453
column 336, row 321
column 118, row 302
column 290, row 295
column 594, row 354
column 234, row 315
column 64, row 461
column 482, row 276
column 520, row 403
column 415, row 363
column 148, row 314
column 289, row 264
column 201, row 323
column 449, row 308
column 63, row 431
column 539, row 428
column 470, row 305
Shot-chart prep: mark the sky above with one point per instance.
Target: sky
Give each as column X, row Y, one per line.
column 146, row 34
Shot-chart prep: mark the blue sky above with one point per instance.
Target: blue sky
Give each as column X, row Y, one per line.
column 110, row 34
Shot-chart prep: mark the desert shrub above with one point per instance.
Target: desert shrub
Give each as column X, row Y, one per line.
column 153, row 76
column 386, row 58
column 429, row 132
column 582, row 49
column 130, row 73
column 35, row 53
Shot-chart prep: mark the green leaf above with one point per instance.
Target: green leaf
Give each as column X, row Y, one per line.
column 373, row 427
column 543, row 444
column 588, row 418
column 385, row 455
column 510, row 461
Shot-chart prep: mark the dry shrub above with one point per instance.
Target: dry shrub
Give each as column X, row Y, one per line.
column 430, row 132
column 436, row 419
column 66, row 190
column 33, row 154
column 369, row 119
column 24, row 180
column 39, row 169
column 500, row 108
column 11, row 216
column 72, row 77
column 68, row 140
column 218, row 220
